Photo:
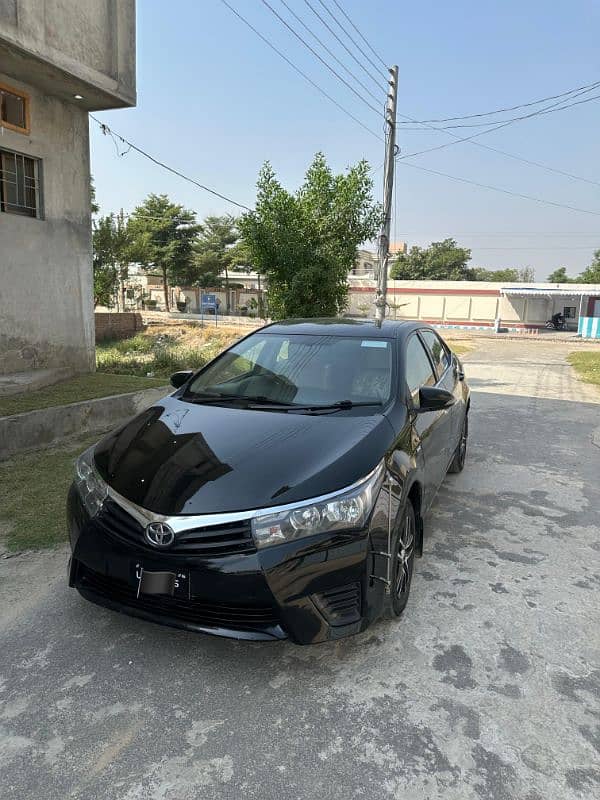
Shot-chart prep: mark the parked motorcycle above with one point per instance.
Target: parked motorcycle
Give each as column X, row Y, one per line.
column 558, row 323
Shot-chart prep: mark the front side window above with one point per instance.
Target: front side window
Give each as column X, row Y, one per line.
column 14, row 110
column 19, row 184
column 418, row 369
column 302, row 369
column 440, row 354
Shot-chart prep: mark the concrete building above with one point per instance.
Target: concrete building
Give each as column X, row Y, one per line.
column 477, row 304
column 59, row 59
column 366, row 260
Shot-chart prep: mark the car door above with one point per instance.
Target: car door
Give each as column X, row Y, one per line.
column 447, row 378
column 430, row 427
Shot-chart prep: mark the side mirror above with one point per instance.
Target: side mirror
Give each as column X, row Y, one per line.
column 179, row 378
column 433, row 399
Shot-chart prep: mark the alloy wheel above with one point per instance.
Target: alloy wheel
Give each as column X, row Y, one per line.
column 406, row 545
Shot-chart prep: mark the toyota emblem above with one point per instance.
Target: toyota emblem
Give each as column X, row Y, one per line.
column 159, row 534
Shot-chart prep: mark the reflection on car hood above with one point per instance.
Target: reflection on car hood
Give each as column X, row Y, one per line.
column 179, row 458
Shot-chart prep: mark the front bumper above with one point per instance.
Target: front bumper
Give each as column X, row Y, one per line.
column 309, row 591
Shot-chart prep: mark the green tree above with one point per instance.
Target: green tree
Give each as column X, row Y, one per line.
column 559, row 276
column 111, row 244
column 507, row 275
column 162, row 238
column 305, row 243
column 592, row 273
column 441, row 261
column 215, row 251
column 94, row 207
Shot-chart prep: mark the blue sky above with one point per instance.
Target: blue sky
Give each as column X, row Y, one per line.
column 215, row 102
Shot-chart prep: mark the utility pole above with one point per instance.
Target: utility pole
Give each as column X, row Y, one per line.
column 388, row 187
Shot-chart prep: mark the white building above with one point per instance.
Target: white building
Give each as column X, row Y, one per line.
column 477, row 304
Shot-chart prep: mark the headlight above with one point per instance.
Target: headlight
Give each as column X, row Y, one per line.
column 92, row 489
column 347, row 510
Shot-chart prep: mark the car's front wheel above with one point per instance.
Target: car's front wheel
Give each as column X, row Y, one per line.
column 403, row 557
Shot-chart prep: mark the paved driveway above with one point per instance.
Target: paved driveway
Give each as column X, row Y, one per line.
column 488, row 688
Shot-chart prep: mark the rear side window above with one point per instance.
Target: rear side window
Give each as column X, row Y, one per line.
column 439, row 351
column 418, row 366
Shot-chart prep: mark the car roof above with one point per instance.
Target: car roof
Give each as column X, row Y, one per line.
column 336, row 326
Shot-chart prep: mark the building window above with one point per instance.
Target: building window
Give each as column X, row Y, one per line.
column 14, row 109
column 19, row 184
column 569, row 312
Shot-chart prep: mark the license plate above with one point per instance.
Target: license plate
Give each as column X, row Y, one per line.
column 172, row 584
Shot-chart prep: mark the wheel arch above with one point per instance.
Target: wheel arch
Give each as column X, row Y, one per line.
column 415, row 495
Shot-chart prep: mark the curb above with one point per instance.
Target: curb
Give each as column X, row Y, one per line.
column 34, row 430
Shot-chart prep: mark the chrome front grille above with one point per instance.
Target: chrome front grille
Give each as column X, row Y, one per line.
column 217, row 540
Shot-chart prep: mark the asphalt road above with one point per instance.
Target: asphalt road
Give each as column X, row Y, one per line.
column 489, row 687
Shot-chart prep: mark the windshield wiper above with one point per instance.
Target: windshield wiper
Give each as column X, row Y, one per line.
column 339, row 405
column 211, row 397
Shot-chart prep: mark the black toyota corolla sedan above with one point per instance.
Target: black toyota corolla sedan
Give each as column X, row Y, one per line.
column 278, row 492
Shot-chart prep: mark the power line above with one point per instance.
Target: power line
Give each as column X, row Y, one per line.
column 322, row 60
column 498, row 189
column 497, row 150
column 509, row 108
column 337, row 38
column 375, row 53
column 489, row 129
column 504, row 234
column 330, row 52
column 520, row 249
column 300, row 72
column 106, row 130
column 561, row 105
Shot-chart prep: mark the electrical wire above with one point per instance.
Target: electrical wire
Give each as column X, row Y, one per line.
column 489, row 128
column 562, row 105
column 300, row 72
column 507, row 234
column 330, row 52
column 322, row 60
column 499, row 189
column 375, row 53
column 470, row 138
column 523, row 248
column 106, row 130
column 376, row 80
column 511, row 108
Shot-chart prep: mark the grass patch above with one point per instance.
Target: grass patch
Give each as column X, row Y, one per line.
column 459, row 347
column 160, row 353
column 587, row 366
column 33, row 494
column 84, row 387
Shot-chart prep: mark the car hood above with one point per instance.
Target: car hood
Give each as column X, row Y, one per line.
column 180, row 458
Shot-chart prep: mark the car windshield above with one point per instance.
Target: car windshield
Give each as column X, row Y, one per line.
column 302, row 370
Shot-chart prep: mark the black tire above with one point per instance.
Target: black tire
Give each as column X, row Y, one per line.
column 458, row 462
column 403, row 559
